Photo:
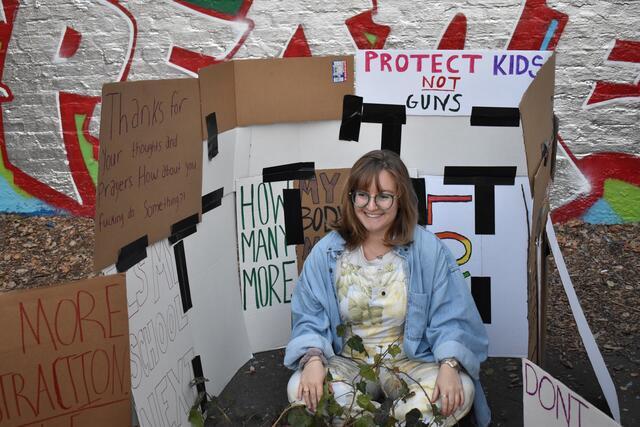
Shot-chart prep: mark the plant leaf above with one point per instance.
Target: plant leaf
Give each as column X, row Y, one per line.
column 364, row 401
column 195, row 417
column 355, row 342
column 394, row 350
column 367, row 372
column 299, row 417
column 333, row 408
column 362, row 386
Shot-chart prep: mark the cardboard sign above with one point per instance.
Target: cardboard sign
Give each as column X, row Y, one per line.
column 452, row 216
column 267, row 265
column 321, row 200
column 548, row 402
column 150, row 175
column 446, row 83
column 65, row 355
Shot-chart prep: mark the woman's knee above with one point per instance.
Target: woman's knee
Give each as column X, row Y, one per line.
column 292, row 387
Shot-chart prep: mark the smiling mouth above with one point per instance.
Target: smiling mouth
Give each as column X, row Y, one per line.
column 372, row 215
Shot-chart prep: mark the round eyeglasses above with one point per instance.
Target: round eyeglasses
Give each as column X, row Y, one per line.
column 383, row 201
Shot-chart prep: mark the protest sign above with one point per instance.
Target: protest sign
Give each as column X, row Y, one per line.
column 321, row 198
column 548, row 402
column 160, row 340
column 65, row 355
column 491, row 263
column 267, row 264
column 446, row 83
column 150, row 175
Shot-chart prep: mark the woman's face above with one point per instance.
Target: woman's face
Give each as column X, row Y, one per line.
column 374, row 219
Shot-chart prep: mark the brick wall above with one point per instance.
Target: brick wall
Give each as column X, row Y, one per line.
column 56, row 54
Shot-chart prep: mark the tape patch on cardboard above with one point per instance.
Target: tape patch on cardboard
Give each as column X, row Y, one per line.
column 212, row 200
column 183, row 228
column 495, row 116
column 294, row 232
column 183, row 276
column 289, row 172
column 131, row 254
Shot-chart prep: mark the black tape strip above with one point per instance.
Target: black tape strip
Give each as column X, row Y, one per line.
column 351, row 118
column 131, row 254
column 198, row 372
column 212, row 200
column 212, row 135
column 484, row 179
column 481, row 293
column 495, row 116
column 419, row 187
column 392, row 118
column 384, row 113
column 294, row 233
column 183, row 228
column 391, row 137
column 485, row 209
column 183, row 277
column 289, row 172
column 479, row 175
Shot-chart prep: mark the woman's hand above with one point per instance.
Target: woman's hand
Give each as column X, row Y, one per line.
column 449, row 389
column 311, row 380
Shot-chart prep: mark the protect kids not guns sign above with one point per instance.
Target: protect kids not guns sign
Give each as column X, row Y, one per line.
column 446, row 82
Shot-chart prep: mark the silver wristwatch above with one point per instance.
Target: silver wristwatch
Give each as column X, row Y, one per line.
column 452, row 362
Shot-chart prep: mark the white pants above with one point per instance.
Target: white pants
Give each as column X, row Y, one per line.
column 418, row 375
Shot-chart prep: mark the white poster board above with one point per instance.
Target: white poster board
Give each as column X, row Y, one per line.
column 446, row 82
column 548, row 402
column 268, row 267
column 220, row 337
column 497, row 262
column 164, row 339
column 160, row 340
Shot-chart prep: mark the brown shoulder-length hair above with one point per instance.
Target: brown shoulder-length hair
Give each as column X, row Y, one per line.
column 365, row 171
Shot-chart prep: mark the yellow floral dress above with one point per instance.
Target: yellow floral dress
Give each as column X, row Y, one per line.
column 372, row 297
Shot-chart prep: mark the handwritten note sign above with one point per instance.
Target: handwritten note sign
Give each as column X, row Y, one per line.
column 150, row 175
column 548, row 402
column 64, row 353
column 446, row 83
column 321, row 198
column 267, row 265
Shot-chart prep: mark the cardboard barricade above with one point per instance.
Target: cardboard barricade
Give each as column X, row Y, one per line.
column 279, row 135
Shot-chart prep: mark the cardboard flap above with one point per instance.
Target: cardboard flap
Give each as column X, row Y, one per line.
column 277, row 90
column 292, row 89
column 218, row 95
column 536, row 109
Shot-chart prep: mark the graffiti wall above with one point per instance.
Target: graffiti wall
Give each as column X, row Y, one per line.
column 55, row 55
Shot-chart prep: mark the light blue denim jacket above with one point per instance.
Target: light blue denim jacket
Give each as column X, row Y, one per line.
column 442, row 320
